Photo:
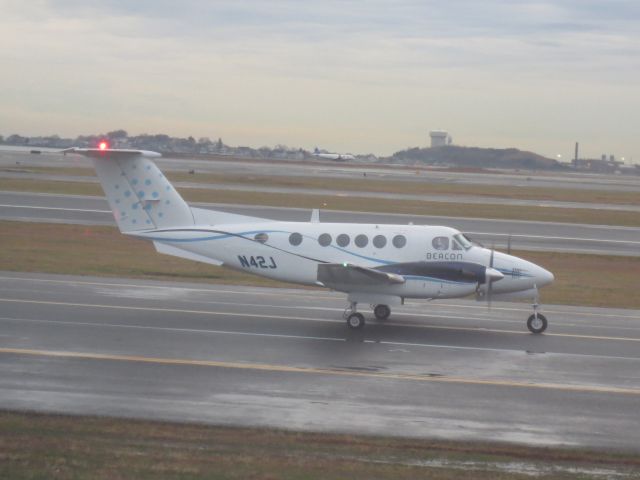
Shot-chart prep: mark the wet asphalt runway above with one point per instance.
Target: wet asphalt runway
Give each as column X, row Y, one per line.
column 546, row 236
column 284, row 358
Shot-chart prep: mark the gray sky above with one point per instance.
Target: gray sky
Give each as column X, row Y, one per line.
column 360, row 77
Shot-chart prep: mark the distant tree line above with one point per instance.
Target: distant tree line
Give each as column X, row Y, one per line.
column 159, row 142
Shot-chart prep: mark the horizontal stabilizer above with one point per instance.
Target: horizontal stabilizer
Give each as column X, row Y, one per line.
column 111, row 153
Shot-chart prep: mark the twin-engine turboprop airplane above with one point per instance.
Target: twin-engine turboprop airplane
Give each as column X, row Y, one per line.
column 381, row 265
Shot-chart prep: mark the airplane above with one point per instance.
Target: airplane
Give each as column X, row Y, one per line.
column 376, row 264
column 332, row 156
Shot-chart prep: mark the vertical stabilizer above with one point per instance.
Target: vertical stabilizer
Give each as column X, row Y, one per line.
column 140, row 196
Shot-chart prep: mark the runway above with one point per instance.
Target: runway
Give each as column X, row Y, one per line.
column 284, row 358
column 525, row 235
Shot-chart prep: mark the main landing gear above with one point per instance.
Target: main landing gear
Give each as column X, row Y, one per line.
column 355, row 320
column 382, row 312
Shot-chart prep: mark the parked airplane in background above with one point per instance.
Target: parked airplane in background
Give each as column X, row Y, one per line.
column 333, row 156
column 381, row 265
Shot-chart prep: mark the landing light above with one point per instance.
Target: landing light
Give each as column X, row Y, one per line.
column 103, row 145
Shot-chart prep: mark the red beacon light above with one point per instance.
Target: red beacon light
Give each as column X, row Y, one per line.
column 103, row 145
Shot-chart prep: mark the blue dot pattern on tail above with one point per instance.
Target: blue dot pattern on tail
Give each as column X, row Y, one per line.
column 145, row 189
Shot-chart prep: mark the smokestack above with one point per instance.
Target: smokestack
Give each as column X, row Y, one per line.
column 575, row 159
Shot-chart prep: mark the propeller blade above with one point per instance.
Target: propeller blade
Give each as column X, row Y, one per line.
column 509, row 244
column 490, row 279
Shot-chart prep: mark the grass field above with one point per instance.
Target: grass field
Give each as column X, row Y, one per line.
column 34, row 446
column 361, row 204
column 593, row 280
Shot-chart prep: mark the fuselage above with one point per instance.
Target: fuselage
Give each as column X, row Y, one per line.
column 292, row 251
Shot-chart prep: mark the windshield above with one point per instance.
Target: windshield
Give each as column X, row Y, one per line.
column 463, row 241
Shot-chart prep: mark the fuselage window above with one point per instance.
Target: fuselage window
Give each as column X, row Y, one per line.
column 361, row 241
column 324, row 240
column 379, row 241
column 440, row 243
column 343, row 240
column 261, row 237
column 399, row 241
column 295, row 239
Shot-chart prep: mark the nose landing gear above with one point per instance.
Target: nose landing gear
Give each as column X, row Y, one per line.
column 536, row 323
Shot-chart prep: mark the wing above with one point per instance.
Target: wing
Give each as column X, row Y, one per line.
column 331, row 275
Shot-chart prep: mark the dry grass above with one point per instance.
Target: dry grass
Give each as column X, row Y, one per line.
column 103, row 251
column 66, row 447
column 589, row 280
column 333, row 202
column 593, row 280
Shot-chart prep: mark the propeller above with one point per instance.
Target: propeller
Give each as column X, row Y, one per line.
column 490, row 278
column 509, row 244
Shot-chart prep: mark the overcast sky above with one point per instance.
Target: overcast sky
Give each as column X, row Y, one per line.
column 360, row 77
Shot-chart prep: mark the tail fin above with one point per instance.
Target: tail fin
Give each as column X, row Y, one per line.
column 139, row 195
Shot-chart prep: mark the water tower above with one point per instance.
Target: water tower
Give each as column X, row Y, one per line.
column 439, row 138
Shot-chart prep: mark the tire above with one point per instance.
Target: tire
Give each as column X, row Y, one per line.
column 538, row 325
column 355, row 321
column 382, row 312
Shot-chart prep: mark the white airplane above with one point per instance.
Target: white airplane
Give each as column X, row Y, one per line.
column 380, row 265
column 333, row 156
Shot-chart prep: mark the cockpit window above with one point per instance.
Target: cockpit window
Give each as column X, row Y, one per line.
column 462, row 241
column 440, row 243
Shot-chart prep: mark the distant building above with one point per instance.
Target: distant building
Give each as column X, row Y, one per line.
column 439, row 138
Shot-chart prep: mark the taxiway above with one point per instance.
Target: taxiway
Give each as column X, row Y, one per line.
column 524, row 235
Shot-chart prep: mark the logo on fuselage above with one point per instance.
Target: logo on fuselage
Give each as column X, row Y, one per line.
column 256, row 262
column 444, row 256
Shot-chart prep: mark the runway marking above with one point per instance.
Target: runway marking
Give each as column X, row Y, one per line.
column 315, row 294
column 552, row 237
column 308, row 319
column 307, row 337
column 283, row 291
column 56, row 208
column 320, row 371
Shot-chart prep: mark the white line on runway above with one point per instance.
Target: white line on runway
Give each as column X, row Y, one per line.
column 314, row 294
column 307, row 337
column 438, row 314
column 56, row 208
column 307, row 319
column 549, row 237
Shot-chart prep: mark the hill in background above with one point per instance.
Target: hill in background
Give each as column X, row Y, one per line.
column 474, row 157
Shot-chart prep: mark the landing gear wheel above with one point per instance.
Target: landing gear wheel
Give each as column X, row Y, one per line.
column 382, row 312
column 537, row 323
column 355, row 321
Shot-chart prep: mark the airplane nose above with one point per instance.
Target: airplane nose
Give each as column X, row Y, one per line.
column 543, row 277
